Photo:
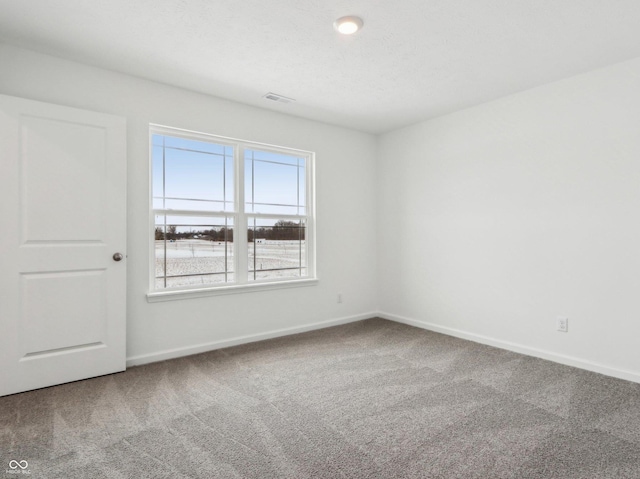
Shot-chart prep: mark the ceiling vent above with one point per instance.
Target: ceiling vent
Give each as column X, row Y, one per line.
column 278, row 98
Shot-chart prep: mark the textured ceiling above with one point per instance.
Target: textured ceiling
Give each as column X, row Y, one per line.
column 413, row 60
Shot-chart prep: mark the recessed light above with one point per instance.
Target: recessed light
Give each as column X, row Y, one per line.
column 348, row 25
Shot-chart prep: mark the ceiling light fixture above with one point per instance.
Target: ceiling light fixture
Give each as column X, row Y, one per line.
column 348, row 25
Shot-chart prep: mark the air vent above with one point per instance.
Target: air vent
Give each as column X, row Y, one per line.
column 278, row 98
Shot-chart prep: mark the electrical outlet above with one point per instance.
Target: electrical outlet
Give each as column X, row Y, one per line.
column 339, row 297
column 563, row 324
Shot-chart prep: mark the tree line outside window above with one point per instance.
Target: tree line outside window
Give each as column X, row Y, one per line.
column 281, row 231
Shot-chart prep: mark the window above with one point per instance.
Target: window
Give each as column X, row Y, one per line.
column 228, row 214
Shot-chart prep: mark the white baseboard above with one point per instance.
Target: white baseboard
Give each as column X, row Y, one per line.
column 478, row 338
column 518, row 348
column 202, row 348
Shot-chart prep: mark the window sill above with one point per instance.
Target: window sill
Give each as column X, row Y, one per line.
column 172, row 295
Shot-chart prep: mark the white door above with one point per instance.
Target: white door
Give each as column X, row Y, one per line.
column 62, row 218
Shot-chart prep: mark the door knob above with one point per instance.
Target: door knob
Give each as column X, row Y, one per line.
column 117, row 257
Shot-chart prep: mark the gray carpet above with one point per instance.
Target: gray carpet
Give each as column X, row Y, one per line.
column 372, row 399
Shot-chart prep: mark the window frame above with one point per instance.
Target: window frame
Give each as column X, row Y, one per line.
column 241, row 245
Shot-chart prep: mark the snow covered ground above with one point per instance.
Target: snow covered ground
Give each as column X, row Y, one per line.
column 205, row 261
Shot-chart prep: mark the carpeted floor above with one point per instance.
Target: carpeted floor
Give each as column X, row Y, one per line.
column 373, row 399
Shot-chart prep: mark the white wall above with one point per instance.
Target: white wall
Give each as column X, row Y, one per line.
column 492, row 221
column 496, row 219
column 345, row 175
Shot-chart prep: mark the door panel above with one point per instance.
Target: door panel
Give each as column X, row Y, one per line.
column 49, row 304
column 63, row 216
column 74, row 155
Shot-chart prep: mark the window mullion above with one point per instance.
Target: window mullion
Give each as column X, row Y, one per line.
column 240, row 236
